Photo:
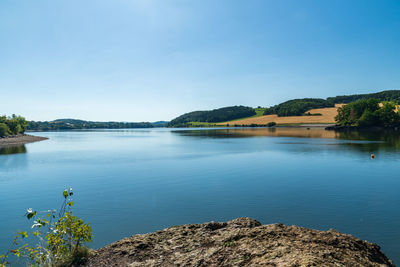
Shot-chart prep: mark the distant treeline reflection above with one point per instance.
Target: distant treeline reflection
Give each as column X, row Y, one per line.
column 380, row 140
column 12, row 150
column 364, row 140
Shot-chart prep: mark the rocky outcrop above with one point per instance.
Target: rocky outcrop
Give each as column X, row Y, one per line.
column 240, row 242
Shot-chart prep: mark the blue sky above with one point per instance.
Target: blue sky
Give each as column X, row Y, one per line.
column 148, row 60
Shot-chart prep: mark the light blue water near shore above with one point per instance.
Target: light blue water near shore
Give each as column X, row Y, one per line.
column 142, row 180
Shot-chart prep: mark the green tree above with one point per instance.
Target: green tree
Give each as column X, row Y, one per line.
column 17, row 124
column 3, row 119
column 368, row 118
column 367, row 113
column 4, row 130
column 349, row 114
column 388, row 115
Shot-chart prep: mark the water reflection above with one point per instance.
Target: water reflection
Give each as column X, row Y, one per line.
column 12, row 150
column 8, row 163
column 12, row 163
column 370, row 141
column 361, row 141
column 255, row 132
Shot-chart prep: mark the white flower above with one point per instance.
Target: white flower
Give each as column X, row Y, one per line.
column 36, row 224
column 29, row 210
column 70, row 189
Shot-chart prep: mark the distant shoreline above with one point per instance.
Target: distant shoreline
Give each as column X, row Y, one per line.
column 21, row 139
column 339, row 128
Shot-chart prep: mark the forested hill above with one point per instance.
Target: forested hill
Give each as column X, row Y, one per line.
column 211, row 116
column 298, row 107
column 389, row 95
column 71, row 124
column 295, row 107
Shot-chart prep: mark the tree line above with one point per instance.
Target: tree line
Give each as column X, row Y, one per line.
column 388, row 95
column 298, row 107
column 71, row 124
column 12, row 125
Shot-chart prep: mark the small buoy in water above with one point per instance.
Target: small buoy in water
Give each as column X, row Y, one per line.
column 372, row 156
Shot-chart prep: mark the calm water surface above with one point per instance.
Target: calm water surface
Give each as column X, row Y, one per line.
column 142, row 180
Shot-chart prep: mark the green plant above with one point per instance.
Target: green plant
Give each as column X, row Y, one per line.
column 60, row 237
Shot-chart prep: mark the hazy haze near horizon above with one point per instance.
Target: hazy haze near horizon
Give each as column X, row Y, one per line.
column 154, row 60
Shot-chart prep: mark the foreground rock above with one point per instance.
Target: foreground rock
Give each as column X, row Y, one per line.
column 241, row 242
column 21, row 139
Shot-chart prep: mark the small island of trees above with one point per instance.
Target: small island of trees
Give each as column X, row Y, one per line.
column 12, row 125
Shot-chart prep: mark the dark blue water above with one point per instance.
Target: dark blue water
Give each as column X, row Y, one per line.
column 138, row 181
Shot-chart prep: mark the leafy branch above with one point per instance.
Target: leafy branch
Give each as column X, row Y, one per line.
column 60, row 237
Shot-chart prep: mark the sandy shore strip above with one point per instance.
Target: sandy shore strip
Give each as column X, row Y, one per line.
column 20, row 139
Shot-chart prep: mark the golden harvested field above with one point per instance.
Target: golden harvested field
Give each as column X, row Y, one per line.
column 328, row 116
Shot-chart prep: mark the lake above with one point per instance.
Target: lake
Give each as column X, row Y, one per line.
column 142, row 180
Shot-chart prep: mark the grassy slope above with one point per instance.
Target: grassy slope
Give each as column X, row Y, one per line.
column 259, row 112
column 327, row 117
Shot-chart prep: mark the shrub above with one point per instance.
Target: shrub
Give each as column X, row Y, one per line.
column 312, row 114
column 60, row 237
column 270, row 124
